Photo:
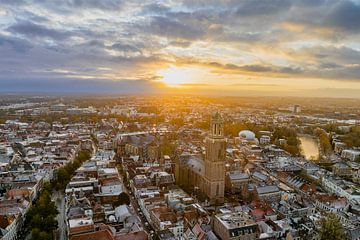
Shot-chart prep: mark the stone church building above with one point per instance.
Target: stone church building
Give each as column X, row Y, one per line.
column 206, row 174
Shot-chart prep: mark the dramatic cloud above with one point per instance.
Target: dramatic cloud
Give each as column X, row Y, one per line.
column 263, row 7
column 17, row 45
column 166, row 27
column 30, row 30
column 281, row 45
column 345, row 15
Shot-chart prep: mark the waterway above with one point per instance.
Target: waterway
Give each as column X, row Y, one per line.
column 309, row 147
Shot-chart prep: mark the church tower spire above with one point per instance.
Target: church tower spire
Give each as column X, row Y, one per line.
column 217, row 126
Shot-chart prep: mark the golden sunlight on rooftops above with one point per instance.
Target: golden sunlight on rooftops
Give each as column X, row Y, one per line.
column 181, row 76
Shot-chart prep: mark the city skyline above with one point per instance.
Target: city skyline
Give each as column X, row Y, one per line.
column 179, row 168
column 271, row 48
column 179, row 119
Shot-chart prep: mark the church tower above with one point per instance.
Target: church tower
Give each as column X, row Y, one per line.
column 214, row 178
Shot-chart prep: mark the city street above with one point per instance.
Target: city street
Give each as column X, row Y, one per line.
column 59, row 199
column 133, row 202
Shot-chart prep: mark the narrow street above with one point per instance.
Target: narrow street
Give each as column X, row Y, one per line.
column 135, row 206
column 59, row 199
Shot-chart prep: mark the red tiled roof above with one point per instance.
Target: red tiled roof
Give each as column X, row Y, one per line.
column 15, row 193
column 257, row 212
column 110, row 181
column 99, row 235
column 140, row 235
column 6, row 221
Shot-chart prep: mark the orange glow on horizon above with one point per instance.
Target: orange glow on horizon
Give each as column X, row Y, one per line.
column 175, row 76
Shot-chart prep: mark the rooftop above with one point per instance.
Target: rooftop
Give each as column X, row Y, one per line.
column 267, row 189
column 79, row 222
column 235, row 220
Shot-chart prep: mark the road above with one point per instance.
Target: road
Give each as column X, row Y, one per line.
column 59, row 199
column 135, row 206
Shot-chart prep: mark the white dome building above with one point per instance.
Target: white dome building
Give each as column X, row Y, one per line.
column 247, row 135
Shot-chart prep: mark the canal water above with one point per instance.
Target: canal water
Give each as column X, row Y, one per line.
column 309, row 147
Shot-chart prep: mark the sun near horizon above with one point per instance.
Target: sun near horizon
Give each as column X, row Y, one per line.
column 175, row 76
column 277, row 48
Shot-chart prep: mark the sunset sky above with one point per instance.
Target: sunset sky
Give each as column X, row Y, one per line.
column 230, row 47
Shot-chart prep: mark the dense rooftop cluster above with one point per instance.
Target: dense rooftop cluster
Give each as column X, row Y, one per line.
column 149, row 159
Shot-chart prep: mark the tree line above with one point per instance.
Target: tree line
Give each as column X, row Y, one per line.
column 292, row 144
column 352, row 138
column 41, row 217
column 324, row 140
column 63, row 174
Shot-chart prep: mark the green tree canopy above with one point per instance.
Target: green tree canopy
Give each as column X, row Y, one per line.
column 292, row 142
column 37, row 234
column 41, row 217
column 324, row 140
column 352, row 139
column 331, row 228
column 123, row 198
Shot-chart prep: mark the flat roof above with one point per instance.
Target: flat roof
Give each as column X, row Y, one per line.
column 78, row 222
column 235, row 220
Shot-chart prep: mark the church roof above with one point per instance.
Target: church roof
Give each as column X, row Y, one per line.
column 238, row 176
column 197, row 165
column 267, row 189
column 193, row 162
column 139, row 140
